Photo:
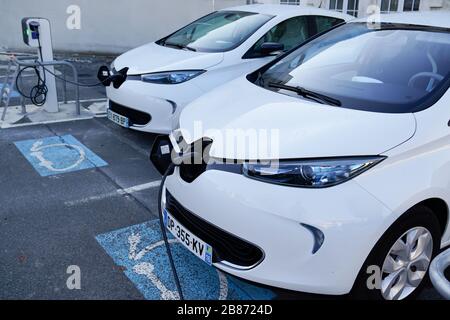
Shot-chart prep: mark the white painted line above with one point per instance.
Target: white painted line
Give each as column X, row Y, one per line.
column 223, row 291
column 88, row 100
column 146, row 269
column 140, row 187
column 5, row 125
column 127, row 191
column 89, row 199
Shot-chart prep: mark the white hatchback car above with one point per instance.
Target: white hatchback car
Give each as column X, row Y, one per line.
column 353, row 192
column 166, row 75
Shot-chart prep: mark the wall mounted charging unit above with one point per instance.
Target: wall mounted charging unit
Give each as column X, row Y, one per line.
column 36, row 33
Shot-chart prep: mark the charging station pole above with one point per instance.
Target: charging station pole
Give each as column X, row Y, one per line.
column 37, row 34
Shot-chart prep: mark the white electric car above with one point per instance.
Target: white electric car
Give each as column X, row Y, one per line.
column 164, row 76
column 353, row 193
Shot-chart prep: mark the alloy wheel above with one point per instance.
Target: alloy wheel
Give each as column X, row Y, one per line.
column 406, row 264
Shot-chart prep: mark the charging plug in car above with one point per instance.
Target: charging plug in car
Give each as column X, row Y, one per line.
column 161, row 154
column 107, row 77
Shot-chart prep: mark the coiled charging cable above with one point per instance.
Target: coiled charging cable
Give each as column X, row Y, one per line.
column 38, row 93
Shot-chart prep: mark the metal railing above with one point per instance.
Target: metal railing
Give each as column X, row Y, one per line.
column 8, row 83
column 26, row 60
column 437, row 274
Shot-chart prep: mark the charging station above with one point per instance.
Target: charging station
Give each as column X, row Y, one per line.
column 43, row 94
column 37, row 34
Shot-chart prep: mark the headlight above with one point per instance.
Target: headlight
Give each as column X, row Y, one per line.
column 310, row 173
column 172, row 77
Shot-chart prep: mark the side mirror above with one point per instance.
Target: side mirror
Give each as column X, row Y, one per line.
column 271, row 48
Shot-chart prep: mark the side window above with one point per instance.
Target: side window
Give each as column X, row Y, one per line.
column 290, row 33
column 322, row 24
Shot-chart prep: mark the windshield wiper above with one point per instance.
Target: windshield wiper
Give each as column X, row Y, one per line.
column 179, row 46
column 305, row 93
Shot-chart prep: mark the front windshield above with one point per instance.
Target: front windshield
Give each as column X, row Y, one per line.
column 217, row 32
column 394, row 68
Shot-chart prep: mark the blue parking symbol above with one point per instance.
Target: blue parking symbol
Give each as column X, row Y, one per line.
column 140, row 251
column 58, row 154
column 13, row 93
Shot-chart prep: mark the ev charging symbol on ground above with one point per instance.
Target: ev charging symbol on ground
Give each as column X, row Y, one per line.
column 141, row 253
column 58, row 154
column 147, row 269
column 37, row 152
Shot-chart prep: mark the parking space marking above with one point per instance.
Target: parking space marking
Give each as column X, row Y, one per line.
column 58, row 154
column 140, row 187
column 126, row 191
column 139, row 249
column 13, row 93
column 37, row 152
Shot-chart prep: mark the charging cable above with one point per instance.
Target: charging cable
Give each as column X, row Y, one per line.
column 175, row 163
column 100, row 83
column 38, row 93
column 164, row 232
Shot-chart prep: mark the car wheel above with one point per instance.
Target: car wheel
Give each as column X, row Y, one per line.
column 401, row 258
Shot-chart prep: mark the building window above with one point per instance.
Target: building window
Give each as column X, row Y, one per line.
column 388, row 6
column 293, row 2
column 337, row 5
column 352, row 7
column 346, row 6
column 411, row 5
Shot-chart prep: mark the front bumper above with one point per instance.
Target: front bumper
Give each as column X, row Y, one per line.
column 162, row 103
column 271, row 218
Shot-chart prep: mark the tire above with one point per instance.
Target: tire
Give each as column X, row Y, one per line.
column 420, row 219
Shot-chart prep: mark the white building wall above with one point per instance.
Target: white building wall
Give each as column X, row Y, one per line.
column 107, row 26
column 364, row 5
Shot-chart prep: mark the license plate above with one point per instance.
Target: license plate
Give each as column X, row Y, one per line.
column 195, row 245
column 118, row 119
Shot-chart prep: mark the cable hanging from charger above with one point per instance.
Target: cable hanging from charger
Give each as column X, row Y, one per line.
column 38, row 93
column 164, row 232
column 79, row 84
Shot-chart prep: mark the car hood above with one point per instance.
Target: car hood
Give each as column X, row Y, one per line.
column 154, row 58
column 295, row 127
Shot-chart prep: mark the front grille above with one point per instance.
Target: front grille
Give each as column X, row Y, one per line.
column 226, row 247
column 136, row 117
